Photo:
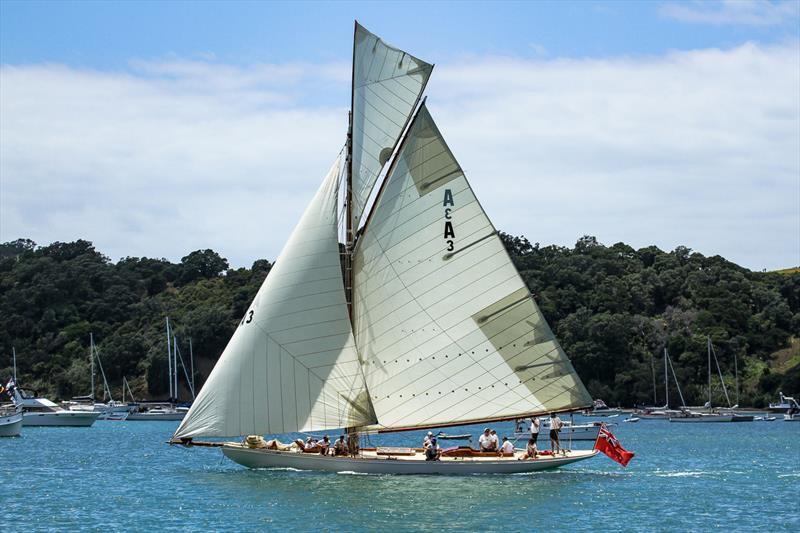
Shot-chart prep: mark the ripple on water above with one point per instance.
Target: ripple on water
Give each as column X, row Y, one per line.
column 121, row 476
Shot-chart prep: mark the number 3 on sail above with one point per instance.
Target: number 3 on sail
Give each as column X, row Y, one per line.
column 399, row 335
column 449, row 234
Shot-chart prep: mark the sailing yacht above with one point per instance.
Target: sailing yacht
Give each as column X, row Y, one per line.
column 108, row 410
column 714, row 415
column 420, row 320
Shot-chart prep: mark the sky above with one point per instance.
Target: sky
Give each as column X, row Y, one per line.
column 158, row 128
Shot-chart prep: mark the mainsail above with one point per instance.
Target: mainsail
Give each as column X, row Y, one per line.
column 292, row 364
column 446, row 328
column 387, row 84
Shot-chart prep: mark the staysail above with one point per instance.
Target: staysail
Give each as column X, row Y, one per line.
column 387, row 84
column 291, row 365
column 447, row 329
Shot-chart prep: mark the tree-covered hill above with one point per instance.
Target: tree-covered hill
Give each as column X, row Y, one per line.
column 612, row 307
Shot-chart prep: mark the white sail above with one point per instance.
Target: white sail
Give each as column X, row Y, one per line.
column 387, row 84
column 291, row 365
column 445, row 326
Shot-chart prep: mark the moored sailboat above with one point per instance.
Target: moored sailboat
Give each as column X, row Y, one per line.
column 423, row 321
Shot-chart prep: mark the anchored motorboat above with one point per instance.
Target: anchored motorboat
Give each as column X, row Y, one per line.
column 10, row 420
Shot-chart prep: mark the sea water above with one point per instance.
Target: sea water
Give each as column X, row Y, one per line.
column 121, row 476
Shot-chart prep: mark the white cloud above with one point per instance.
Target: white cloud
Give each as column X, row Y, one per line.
column 695, row 148
column 734, row 12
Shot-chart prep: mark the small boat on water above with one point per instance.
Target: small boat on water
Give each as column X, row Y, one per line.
column 158, row 412
column 601, row 409
column 10, row 420
column 631, row 419
column 784, row 405
column 418, row 320
column 39, row 411
column 445, row 436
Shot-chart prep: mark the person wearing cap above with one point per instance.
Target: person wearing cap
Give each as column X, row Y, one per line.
column 427, row 441
column 433, row 452
column 555, row 429
column 485, row 441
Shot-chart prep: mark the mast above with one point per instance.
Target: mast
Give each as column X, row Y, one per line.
column 175, row 365
column 736, row 371
column 653, row 371
column 14, row 352
column 348, row 236
column 674, row 375
column 666, row 380
column 719, row 370
column 191, row 365
column 169, row 361
column 91, row 360
column 708, row 347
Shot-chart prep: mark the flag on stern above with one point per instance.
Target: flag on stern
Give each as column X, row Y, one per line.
column 609, row 445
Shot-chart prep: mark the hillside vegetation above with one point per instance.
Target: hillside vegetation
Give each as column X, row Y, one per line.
column 612, row 307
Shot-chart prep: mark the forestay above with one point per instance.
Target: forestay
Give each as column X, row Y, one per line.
column 446, row 327
column 291, row 365
column 387, row 84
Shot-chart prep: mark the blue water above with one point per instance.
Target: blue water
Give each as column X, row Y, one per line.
column 119, row 476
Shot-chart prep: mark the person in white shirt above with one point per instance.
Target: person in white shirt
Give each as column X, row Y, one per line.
column 485, row 441
column 535, row 426
column 555, row 428
column 507, row 448
column 427, row 441
column 495, row 440
column 530, row 451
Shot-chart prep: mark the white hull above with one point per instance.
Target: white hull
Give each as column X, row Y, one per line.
column 603, row 413
column 260, row 458
column 702, row 418
column 175, row 417
column 60, row 418
column 11, row 425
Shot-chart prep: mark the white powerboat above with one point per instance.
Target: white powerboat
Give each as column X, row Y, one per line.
column 601, row 409
column 43, row 412
column 786, row 403
column 159, row 413
column 10, row 420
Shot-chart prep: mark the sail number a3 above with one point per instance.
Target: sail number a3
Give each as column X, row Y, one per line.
column 449, row 232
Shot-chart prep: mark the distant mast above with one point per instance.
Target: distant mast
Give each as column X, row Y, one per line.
column 91, row 359
column 169, row 362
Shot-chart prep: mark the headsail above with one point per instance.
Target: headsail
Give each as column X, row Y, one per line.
column 387, row 84
column 291, row 365
column 447, row 329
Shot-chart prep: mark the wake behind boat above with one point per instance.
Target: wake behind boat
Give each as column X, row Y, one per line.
column 420, row 320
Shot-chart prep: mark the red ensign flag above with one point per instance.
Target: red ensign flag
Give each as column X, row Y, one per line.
column 609, row 445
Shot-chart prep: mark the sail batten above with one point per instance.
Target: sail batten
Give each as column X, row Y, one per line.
column 292, row 363
column 447, row 329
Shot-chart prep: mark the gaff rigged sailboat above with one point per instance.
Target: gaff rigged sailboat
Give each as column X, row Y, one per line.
column 420, row 321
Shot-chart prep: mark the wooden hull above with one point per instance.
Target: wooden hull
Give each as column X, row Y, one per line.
column 61, row 418
column 261, row 458
column 11, row 425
